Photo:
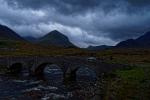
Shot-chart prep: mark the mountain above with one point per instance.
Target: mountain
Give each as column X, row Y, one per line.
column 30, row 39
column 55, row 38
column 141, row 42
column 128, row 43
column 102, row 47
column 8, row 34
column 144, row 40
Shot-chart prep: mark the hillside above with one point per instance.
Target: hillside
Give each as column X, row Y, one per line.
column 102, row 47
column 8, row 34
column 141, row 42
column 55, row 38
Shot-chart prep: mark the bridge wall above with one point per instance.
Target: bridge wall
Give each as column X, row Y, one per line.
column 68, row 64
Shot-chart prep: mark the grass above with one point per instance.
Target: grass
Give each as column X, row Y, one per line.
column 131, row 84
column 127, row 56
column 133, row 74
column 17, row 48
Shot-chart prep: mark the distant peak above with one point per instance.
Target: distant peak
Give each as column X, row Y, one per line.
column 56, row 38
column 8, row 34
column 3, row 26
column 55, row 31
column 148, row 32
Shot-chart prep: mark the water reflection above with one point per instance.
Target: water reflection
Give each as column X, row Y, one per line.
column 53, row 74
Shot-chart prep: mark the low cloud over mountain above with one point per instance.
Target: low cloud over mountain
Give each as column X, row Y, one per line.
column 85, row 22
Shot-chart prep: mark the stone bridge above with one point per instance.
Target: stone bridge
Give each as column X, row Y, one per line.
column 34, row 65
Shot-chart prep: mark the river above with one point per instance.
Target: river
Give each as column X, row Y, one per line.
column 52, row 88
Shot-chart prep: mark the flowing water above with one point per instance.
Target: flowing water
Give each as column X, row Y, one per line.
column 51, row 88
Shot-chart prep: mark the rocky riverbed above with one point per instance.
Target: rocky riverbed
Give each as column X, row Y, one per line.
column 53, row 88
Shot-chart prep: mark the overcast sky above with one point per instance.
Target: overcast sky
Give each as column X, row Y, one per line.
column 85, row 22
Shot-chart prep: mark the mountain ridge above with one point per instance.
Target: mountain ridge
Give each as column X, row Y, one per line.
column 55, row 38
column 140, row 42
column 8, row 34
column 101, row 47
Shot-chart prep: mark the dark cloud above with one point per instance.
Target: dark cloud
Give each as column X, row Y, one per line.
column 77, row 6
column 139, row 2
column 85, row 22
column 64, row 6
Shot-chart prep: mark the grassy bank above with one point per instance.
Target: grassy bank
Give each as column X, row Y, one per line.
column 127, row 84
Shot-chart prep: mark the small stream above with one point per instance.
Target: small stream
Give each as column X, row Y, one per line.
column 53, row 88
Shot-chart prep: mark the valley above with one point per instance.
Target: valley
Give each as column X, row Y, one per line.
column 130, row 81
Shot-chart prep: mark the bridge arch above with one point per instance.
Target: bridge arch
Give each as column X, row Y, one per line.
column 16, row 68
column 86, row 74
column 39, row 70
column 73, row 74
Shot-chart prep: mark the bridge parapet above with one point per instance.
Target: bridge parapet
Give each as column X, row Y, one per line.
column 67, row 64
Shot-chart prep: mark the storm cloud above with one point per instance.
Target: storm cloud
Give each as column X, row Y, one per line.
column 85, row 22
